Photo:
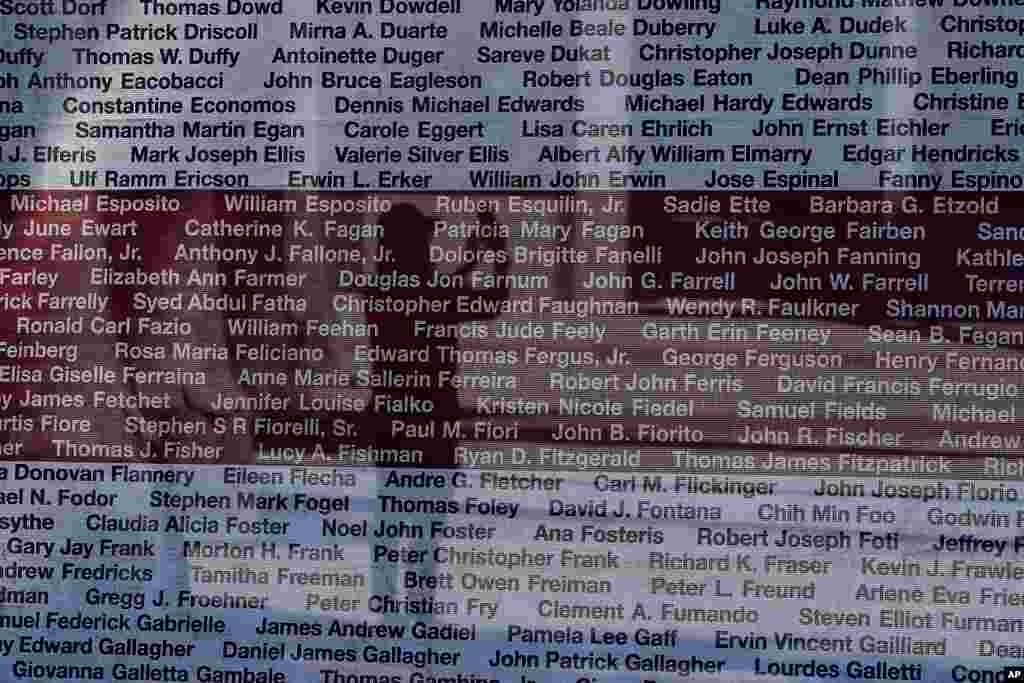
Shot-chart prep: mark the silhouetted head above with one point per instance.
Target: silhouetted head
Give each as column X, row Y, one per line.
column 407, row 233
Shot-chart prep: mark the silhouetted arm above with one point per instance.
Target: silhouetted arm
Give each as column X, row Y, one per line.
column 478, row 243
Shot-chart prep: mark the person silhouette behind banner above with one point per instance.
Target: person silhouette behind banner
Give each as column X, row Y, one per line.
column 407, row 236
